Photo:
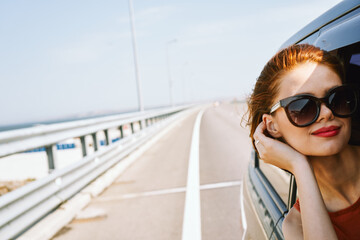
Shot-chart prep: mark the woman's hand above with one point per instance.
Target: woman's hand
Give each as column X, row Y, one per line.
column 275, row 152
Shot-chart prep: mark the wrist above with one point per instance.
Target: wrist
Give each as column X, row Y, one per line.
column 301, row 165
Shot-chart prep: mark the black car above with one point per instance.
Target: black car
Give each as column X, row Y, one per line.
column 269, row 192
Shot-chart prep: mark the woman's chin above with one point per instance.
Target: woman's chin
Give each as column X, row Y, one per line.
column 322, row 150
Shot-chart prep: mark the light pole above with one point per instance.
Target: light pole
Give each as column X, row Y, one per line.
column 169, row 71
column 137, row 75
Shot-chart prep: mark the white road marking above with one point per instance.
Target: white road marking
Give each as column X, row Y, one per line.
column 192, row 215
column 168, row 191
column 243, row 217
column 220, row 185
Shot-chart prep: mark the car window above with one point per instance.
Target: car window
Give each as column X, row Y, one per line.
column 351, row 58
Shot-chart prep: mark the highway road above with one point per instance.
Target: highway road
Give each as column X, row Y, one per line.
column 187, row 186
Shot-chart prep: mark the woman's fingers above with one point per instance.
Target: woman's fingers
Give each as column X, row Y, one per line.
column 267, row 147
column 259, row 135
column 260, row 138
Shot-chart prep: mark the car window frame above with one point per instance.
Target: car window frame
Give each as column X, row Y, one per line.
column 270, row 208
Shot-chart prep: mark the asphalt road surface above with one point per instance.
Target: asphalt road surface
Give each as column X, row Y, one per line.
column 148, row 200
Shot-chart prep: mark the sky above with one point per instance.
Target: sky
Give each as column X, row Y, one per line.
column 74, row 58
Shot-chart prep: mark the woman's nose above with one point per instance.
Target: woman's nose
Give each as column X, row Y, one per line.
column 325, row 113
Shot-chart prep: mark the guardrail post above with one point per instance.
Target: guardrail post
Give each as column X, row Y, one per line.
column 146, row 122
column 132, row 128
column 140, row 124
column 121, row 131
column 51, row 157
column 106, row 132
column 83, row 145
column 94, row 137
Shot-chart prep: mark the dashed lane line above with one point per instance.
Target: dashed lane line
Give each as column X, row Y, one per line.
column 220, row 185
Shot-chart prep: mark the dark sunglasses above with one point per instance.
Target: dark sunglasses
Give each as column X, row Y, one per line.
column 303, row 110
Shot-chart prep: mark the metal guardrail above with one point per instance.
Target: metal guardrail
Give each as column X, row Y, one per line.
column 23, row 207
column 21, row 140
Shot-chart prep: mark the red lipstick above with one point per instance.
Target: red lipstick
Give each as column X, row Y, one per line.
column 327, row 131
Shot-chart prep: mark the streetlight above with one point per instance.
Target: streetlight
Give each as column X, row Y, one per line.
column 169, row 71
column 137, row 75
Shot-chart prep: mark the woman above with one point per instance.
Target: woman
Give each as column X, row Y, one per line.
column 300, row 118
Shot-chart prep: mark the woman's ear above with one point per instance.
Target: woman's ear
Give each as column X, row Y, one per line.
column 271, row 126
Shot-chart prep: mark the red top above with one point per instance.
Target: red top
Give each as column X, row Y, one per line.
column 346, row 222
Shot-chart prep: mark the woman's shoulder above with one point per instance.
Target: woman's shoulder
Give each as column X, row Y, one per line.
column 292, row 226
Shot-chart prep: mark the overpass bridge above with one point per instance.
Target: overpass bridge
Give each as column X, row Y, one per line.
column 176, row 174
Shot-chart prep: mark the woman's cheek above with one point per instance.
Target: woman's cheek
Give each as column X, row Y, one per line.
column 301, row 141
column 300, row 144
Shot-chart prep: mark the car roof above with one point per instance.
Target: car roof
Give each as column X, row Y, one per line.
column 326, row 18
